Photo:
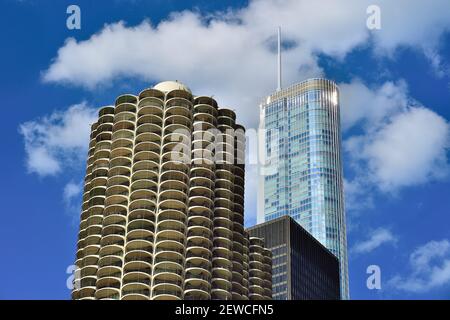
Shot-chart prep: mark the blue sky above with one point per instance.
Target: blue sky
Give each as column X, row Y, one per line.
column 395, row 96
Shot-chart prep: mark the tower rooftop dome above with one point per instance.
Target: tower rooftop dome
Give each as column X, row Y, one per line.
column 167, row 86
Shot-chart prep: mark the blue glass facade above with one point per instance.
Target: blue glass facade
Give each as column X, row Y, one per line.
column 303, row 142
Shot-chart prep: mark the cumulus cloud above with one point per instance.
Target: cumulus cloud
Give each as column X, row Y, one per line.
column 71, row 190
column 376, row 238
column 430, row 268
column 409, row 150
column 58, row 140
column 400, row 142
column 371, row 106
column 71, row 194
column 230, row 54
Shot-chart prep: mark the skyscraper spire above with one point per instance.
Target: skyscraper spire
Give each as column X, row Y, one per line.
column 279, row 59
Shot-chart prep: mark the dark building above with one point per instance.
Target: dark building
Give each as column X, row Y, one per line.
column 302, row 268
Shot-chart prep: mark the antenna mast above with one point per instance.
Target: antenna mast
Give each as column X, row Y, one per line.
column 279, row 59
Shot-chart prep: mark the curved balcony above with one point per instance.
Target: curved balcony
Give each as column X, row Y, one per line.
column 197, row 190
column 149, row 165
column 94, row 220
column 154, row 94
column 205, row 116
column 140, row 244
column 223, row 222
column 126, row 98
column 119, row 209
column 111, row 250
column 103, row 136
column 147, row 214
column 138, row 230
column 137, row 265
column 198, row 257
column 114, row 219
column 112, row 239
column 179, row 97
column 123, row 134
column 119, row 199
column 108, row 270
column 92, row 239
column 205, row 108
column 107, row 293
column 205, row 100
column 182, row 108
column 139, row 224
column 102, row 163
column 117, row 189
column 102, row 149
column 136, row 288
column 125, row 107
column 152, row 109
column 181, row 155
column 143, row 194
column 169, row 252
column 118, row 180
column 131, row 294
column 113, row 229
column 203, row 130
column 220, row 294
column 120, row 161
column 144, row 185
column 168, row 201
column 224, row 184
column 176, row 166
column 89, row 260
column 146, row 155
column 167, row 289
column 221, row 233
column 146, row 204
column 100, row 178
column 224, row 203
column 238, row 289
column 87, row 287
column 197, row 286
column 176, row 143
column 122, row 123
column 256, row 292
column 172, row 199
column 224, row 172
column 105, row 111
column 88, row 271
column 149, row 128
column 202, row 176
column 151, row 119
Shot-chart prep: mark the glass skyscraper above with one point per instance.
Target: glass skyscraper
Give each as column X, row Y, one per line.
column 303, row 146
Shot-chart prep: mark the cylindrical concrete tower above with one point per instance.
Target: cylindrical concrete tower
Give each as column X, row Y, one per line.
column 163, row 202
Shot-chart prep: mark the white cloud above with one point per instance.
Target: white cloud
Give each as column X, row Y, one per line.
column 376, row 238
column 58, row 140
column 430, row 268
column 371, row 106
column 72, row 190
column 228, row 53
column 400, row 143
column 410, row 149
column 71, row 194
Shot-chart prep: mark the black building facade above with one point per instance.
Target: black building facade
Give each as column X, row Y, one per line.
column 302, row 268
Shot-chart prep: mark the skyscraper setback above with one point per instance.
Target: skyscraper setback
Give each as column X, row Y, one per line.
column 303, row 143
column 163, row 203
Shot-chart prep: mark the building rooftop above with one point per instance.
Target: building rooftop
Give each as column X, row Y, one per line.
column 167, row 86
